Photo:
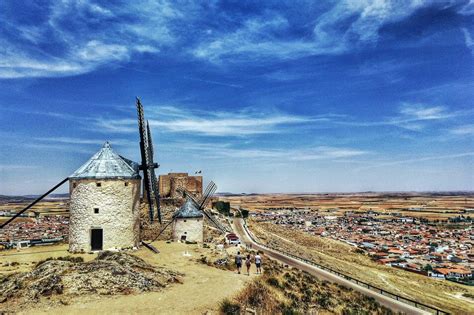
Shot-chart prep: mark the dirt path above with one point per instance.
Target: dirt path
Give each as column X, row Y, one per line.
column 203, row 287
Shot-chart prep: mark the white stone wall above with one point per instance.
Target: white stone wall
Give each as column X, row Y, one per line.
column 119, row 213
column 192, row 228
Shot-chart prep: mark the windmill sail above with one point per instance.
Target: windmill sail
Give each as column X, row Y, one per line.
column 147, row 165
column 154, row 181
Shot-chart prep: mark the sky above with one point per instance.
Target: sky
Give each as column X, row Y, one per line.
column 261, row 96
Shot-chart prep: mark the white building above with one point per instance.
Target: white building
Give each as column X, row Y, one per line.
column 188, row 223
column 105, row 203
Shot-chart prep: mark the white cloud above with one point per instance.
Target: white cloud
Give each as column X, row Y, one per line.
column 80, row 141
column 410, row 116
column 417, row 160
column 464, row 130
column 468, row 39
column 417, row 112
column 255, row 39
column 283, row 155
column 468, row 8
column 85, row 36
column 242, row 123
column 367, row 18
column 345, row 25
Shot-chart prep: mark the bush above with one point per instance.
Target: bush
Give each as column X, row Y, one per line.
column 228, row 307
column 288, row 310
column 324, row 300
column 274, row 282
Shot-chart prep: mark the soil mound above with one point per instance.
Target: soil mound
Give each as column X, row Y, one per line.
column 109, row 274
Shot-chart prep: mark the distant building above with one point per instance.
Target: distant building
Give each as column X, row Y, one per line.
column 169, row 184
column 105, row 200
column 188, row 223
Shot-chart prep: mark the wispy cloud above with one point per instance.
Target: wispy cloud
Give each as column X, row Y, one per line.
column 242, row 123
column 238, row 86
column 255, row 39
column 83, row 141
column 283, row 155
column 464, row 130
column 342, row 28
column 76, row 37
column 468, row 39
column 416, row 160
column 413, row 117
column 83, row 36
column 10, row 167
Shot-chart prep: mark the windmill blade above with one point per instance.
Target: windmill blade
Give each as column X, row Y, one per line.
column 152, row 165
column 144, row 152
column 206, row 200
column 212, row 187
column 188, row 195
column 216, row 223
column 147, row 181
column 150, row 142
column 207, row 190
column 156, row 194
column 34, row 202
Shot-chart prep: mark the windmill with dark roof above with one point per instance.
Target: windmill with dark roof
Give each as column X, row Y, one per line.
column 188, row 220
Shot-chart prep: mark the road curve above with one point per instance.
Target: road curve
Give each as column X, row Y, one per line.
column 394, row 305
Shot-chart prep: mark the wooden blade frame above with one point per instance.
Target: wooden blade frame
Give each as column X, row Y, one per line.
column 145, row 155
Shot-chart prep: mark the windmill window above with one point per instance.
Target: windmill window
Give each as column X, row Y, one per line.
column 185, row 220
column 74, row 185
column 126, row 183
column 98, row 184
column 96, row 210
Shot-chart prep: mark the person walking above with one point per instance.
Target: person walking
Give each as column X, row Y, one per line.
column 238, row 261
column 248, row 262
column 258, row 262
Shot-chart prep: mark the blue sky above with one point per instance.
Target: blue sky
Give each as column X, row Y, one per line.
column 283, row 96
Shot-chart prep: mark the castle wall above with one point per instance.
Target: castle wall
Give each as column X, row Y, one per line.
column 170, row 182
column 192, row 228
column 118, row 202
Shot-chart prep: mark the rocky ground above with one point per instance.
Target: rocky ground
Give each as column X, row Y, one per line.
column 60, row 279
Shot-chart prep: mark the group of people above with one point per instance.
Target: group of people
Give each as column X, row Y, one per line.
column 248, row 262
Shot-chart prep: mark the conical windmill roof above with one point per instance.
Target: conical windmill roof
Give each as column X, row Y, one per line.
column 189, row 210
column 107, row 164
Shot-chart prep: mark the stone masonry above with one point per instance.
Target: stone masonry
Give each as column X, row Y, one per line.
column 117, row 203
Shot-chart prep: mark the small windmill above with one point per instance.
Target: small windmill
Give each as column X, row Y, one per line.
column 148, row 165
column 194, row 208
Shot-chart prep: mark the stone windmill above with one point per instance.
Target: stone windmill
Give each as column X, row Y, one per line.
column 105, row 203
column 188, row 221
column 105, row 196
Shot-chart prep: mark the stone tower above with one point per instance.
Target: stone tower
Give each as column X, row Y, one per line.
column 188, row 223
column 105, row 203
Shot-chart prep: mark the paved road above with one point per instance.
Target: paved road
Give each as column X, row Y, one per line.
column 394, row 305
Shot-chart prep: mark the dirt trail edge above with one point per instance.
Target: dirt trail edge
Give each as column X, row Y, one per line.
column 394, row 305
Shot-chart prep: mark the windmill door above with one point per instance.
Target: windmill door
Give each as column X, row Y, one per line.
column 97, row 237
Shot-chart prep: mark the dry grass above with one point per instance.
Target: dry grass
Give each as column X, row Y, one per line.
column 290, row 291
column 342, row 257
